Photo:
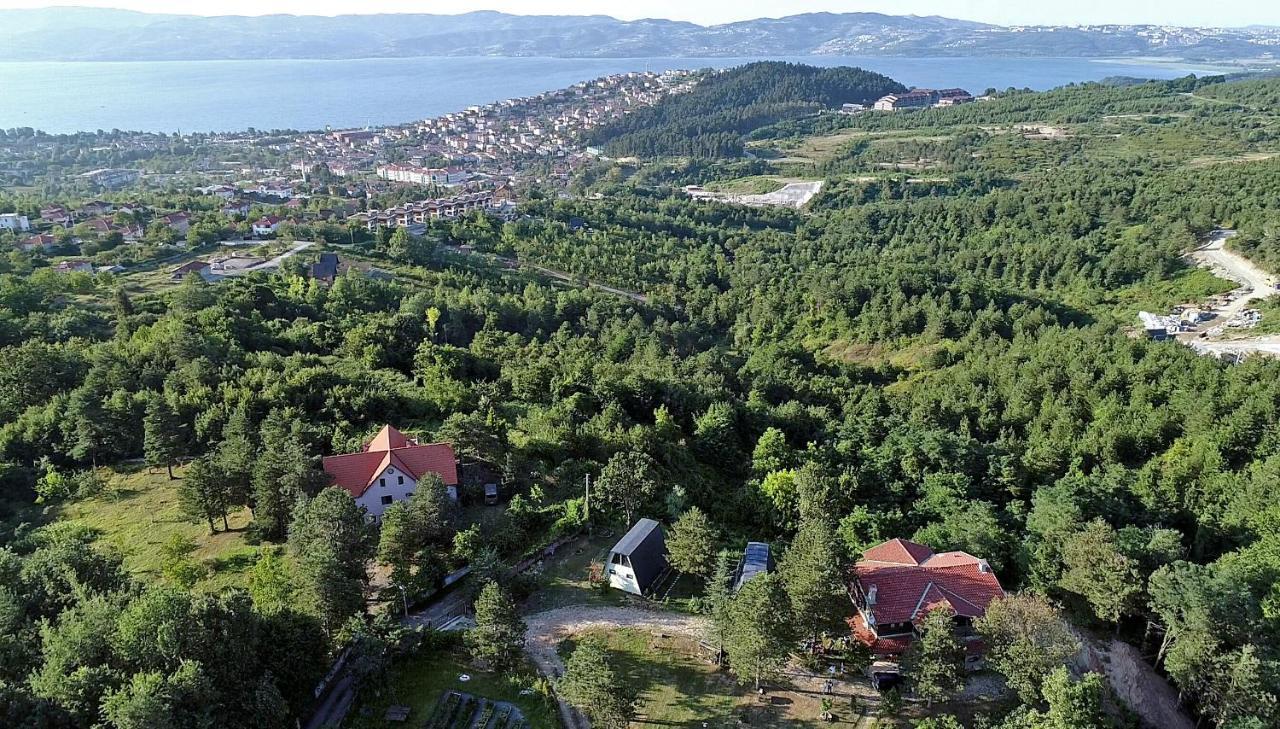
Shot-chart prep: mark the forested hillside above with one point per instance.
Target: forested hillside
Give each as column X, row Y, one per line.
column 938, row 348
column 712, row 119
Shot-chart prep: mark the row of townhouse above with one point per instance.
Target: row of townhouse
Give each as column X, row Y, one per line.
column 425, row 210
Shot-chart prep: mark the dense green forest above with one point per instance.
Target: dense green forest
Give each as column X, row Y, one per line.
column 711, row 120
column 941, row 353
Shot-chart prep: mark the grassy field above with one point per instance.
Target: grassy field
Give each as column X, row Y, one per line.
column 564, row 578
column 137, row 514
column 1186, row 286
column 420, row 680
column 758, row 185
column 679, row 687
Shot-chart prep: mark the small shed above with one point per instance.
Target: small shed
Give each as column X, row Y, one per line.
column 756, row 560
column 639, row 558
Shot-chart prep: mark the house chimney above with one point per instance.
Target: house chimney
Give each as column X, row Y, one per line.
column 871, row 595
column 984, row 566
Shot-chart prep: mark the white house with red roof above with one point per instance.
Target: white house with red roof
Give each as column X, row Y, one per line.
column 897, row 583
column 389, row 468
column 266, row 225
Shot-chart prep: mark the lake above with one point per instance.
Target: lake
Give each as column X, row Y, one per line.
column 191, row 96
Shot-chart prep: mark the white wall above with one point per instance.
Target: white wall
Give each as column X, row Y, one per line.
column 388, row 483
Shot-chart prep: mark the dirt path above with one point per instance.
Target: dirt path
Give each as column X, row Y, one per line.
column 1255, row 284
column 547, row 629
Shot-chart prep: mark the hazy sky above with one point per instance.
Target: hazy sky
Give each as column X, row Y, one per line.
column 1174, row 12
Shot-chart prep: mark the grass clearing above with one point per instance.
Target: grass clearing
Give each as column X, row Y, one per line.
column 910, row 357
column 758, row 185
column 1185, row 286
column 564, row 578
column 137, row 514
column 418, row 681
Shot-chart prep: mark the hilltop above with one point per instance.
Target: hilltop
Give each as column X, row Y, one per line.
column 86, row 34
column 710, row 121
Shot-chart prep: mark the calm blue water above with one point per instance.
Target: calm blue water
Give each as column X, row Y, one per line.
column 310, row 94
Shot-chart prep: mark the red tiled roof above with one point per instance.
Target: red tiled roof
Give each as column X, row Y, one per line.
column 879, row 647
column 898, row 551
column 910, row 580
column 355, row 472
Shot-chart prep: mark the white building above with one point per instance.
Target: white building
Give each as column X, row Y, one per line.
column 389, row 468
column 14, row 222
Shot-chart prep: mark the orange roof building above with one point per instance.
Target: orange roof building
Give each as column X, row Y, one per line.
column 389, row 468
column 897, row 583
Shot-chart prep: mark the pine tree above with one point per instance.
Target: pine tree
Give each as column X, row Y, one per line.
column 331, row 542
column 1095, row 569
column 1026, row 640
column 162, row 434
column 718, row 595
column 498, row 637
column 627, row 483
column 593, row 685
column 759, row 636
column 812, row 573
column 691, row 544
column 202, row 493
column 283, row 472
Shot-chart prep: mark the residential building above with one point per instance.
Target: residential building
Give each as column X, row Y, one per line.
column 96, row 207
column 180, row 223
column 14, row 222
column 325, row 270
column 56, row 214
column 914, row 99
column 74, row 265
column 44, row 242
column 897, row 583
column 111, row 179
column 638, row 559
column 425, row 210
column 921, row 98
column 200, row 267
column 266, row 225
column 389, row 468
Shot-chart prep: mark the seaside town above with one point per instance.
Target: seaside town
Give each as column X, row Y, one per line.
column 257, row 185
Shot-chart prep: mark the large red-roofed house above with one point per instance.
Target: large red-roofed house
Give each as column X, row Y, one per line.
column 897, row 583
column 389, row 468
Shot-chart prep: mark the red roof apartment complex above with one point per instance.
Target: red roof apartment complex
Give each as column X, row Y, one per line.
column 389, row 468
column 898, row 582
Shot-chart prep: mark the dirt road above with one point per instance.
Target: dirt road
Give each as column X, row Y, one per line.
column 1255, row 284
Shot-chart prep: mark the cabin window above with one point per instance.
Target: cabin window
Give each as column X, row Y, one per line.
column 617, row 558
column 386, row 500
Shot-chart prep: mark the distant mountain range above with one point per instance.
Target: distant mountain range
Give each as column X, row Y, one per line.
column 88, row 34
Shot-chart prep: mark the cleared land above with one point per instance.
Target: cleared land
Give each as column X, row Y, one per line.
column 758, row 185
column 419, row 682
column 137, row 514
